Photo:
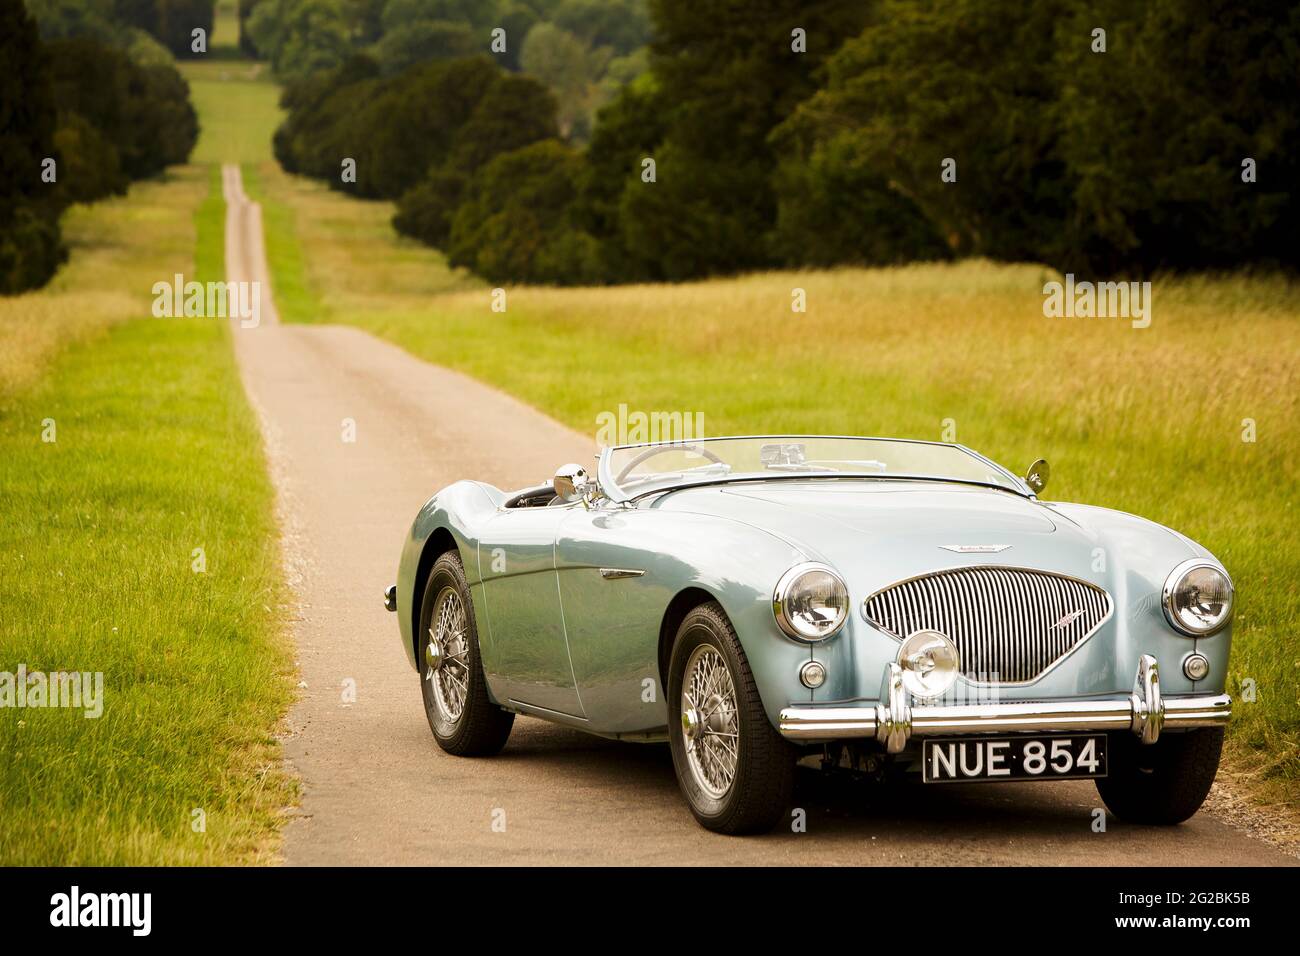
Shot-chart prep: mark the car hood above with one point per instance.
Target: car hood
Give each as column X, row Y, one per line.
column 878, row 532
column 891, row 508
column 815, row 512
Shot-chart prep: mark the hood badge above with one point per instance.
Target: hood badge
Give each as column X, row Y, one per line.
column 975, row 548
column 1067, row 620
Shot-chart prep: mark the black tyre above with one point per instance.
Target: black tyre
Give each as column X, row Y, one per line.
column 735, row 770
column 461, row 715
column 1162, row 783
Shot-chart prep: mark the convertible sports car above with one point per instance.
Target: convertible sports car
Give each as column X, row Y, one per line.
column 893, row 607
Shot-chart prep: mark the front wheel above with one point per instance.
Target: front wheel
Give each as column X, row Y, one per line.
column 1162, row 783
column 461, row 715
column 735, row 770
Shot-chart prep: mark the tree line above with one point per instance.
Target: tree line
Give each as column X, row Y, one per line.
column 1104, row 137
column 584, row 50
column 81, row 119
column 151, row 31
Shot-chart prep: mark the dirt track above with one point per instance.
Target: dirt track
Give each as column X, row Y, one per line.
column 377, row 790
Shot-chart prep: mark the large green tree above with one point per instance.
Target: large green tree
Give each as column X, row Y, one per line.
column 144, row 111
column 728, row 71
column 627, row 131
column 621, row 25
column 514, row 111
column 413, row 124
column 567, row 66
column 1107, row 136
column 964, row 88
column 301, row 37
column 1156, row 133
column 30, row 246
column 177, row 21
column 514, row 224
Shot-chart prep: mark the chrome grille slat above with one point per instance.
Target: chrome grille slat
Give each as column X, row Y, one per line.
column 1003, row 620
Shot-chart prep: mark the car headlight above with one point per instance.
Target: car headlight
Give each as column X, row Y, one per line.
column 1197, row 598
column 810, row 602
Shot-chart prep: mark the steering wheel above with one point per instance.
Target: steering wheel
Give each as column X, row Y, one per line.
column 662, row 449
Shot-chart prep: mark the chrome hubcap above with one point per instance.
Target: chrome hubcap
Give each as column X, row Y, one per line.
column 710, row 721
column 446, row 655
column 433, row 653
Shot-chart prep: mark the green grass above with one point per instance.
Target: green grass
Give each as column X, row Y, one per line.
column 238, row 110
column 157, row 454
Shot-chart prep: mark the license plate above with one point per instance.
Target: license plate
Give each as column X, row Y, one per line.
column 969, row 759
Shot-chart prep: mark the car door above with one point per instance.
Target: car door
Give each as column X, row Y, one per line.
column 526, row 655
column 613, row 591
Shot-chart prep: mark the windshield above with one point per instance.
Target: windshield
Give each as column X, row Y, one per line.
column 632, row 470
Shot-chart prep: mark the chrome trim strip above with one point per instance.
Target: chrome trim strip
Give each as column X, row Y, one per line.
column 613, row 574
column 545, row 713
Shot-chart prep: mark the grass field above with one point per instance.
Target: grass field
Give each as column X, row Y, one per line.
column 237, row 107
column 155, row 454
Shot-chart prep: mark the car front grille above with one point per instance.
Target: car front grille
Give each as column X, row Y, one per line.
column 1009, row 624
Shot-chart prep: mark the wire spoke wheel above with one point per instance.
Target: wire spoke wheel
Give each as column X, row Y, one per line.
column 710, row 721
column 446, row 657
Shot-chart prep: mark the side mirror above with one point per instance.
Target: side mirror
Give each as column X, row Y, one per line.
column 572, row 483
column 1037, row 475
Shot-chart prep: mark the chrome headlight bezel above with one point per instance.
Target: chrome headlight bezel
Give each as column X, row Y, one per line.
column 1171, row 590
column 781, row 603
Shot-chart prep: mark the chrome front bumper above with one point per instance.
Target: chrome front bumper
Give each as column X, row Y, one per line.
column 895, row 720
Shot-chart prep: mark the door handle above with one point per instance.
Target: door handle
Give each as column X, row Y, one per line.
column 613, row 574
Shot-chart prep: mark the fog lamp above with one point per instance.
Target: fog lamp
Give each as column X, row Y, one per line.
column 930, row 663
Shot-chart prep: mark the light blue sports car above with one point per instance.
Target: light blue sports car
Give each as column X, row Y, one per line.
column 885, row 605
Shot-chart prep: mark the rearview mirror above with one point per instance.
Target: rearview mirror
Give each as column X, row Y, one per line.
column 571, row 482
column 1037, row 475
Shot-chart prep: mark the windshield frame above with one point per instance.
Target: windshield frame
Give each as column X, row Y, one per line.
column 610, row 489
